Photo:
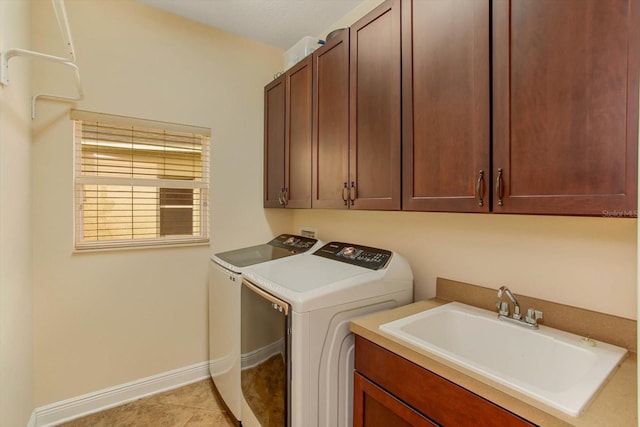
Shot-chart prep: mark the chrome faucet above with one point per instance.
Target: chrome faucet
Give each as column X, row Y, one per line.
column 530, row 320
column 512, row 298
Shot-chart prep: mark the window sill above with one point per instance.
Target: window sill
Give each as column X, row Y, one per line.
column 111, row 247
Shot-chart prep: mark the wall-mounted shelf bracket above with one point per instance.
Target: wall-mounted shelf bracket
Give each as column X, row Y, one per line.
column 63, row 23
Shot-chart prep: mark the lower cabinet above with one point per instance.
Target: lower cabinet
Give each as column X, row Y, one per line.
column 392, row 391
column 373, row 406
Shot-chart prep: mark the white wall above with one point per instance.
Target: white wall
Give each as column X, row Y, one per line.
column 16, row 325
column 103, row 319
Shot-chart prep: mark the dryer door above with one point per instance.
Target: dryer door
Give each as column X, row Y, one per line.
column 265, row 343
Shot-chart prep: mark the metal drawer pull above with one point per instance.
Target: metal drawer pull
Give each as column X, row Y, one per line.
column 480, row 189
column 345, row 191
column 500, row 188
column 282, row 197
column 352, row 193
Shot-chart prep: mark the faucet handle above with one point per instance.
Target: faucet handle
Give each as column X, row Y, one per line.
column 533, row 316
column 503, row 308
column 516, row 312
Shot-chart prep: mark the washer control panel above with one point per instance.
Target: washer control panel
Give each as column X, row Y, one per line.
column 293, row 243
column 362, row 256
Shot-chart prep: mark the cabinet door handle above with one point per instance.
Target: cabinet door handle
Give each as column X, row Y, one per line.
column 500, row 187
column 480, row 189
column 345, row 191
column 352, row 193
column 282, row 197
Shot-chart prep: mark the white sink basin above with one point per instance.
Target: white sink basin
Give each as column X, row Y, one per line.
column 549, row 365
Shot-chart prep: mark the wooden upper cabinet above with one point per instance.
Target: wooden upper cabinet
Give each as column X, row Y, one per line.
column 446, row 106
column 330, row 165
column 558, row 135
column 297, row 163
column 287, row 138
column 565, row 117
column 374, row 140
column 274, row 130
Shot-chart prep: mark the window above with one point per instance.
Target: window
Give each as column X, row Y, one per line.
column 139, row 182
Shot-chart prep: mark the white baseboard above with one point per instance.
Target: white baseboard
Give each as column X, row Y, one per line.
column 256, row 357
column 75, row 407
column 32, row 420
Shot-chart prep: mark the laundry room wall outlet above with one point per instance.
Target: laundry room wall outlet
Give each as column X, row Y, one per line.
column 309, row 232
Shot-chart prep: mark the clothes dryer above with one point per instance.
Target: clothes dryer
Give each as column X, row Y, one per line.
column 297, row 349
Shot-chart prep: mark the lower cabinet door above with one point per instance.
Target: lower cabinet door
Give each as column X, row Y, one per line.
column 414, row 388
column 373, row 407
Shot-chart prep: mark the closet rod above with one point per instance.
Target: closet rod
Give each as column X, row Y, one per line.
column 63, row 24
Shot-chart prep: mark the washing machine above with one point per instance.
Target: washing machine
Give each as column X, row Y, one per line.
column 224, row 309
column 296, row 347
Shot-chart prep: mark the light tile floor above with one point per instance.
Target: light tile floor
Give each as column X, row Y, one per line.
column 194, row 405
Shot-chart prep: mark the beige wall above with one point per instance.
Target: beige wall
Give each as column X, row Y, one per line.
column 585, row 262
column 16, row 325
column 103, row 319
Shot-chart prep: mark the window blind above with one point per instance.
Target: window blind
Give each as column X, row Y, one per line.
column 139, row 182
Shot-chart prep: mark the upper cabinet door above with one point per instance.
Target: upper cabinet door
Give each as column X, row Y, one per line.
column 330, row 155
column 274, row 130
column 446, row 106
column 565, row 82
column 298, row 135
column 374, row 143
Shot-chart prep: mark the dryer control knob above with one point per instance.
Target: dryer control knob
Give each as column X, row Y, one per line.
column 348, row 251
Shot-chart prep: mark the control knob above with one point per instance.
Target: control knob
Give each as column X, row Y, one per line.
column 349, row 251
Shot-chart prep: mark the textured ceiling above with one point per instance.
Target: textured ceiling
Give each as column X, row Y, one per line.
column 279, row 23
